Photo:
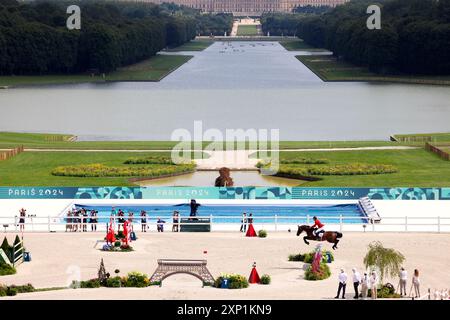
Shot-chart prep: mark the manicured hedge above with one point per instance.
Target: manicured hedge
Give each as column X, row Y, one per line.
column 100, row 170
column 150, row 160
column 236, row 281
column 337, row 170
column 308, row 257
column 295, row 161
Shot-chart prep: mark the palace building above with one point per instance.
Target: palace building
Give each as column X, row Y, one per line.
column 248, row 7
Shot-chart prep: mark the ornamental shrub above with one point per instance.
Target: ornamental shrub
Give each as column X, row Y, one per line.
column 235, row 281
column 6, row 269
column 137, row 279
column 115, row 282
column 265, row 279
column 92, row 283
column 386, row 291
column 262, row 233
column 296, row 257
column 238, row 281
column 323, row 273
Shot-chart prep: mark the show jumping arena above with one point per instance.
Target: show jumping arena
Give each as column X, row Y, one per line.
column 419, row 229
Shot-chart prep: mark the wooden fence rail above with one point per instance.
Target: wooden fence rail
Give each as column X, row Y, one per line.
column 5, row 155
column 441, row 153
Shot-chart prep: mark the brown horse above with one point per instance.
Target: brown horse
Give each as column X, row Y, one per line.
column 330, row 236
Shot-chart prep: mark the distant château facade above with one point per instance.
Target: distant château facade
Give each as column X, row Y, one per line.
column 249, row 7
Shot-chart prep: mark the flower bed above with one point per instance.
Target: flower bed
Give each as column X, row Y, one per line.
column 100, row 170
column 150, row 160
column 323, row 273
column 131, row 280
column 263, row 163
column 117, row 247
column 336, row 170
column 235, row 281
column 387, row 291
column 14, row 290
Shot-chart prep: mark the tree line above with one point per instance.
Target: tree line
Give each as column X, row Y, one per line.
column 414, row 35
column 34, row 38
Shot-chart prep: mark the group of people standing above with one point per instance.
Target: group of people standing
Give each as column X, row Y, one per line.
column 404, row 280
column 78, row 220
column 370, row 282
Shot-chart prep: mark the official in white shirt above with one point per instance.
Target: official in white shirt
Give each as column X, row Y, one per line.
column 356, row 282
column 403, row 281
column 342, row 284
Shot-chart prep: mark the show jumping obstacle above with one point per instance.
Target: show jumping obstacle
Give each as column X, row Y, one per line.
column 168, row 267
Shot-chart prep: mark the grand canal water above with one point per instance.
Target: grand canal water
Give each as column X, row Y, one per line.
column 230, row 85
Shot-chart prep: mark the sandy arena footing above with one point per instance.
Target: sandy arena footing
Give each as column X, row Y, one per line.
column 57, row 258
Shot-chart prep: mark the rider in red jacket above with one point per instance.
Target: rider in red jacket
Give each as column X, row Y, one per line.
column 318, row 227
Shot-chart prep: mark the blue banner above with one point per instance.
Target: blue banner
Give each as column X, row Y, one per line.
column 250, row 193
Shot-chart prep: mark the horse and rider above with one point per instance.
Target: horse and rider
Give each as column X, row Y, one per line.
column 316, row 232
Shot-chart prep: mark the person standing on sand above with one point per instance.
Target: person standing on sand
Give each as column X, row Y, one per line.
column 93, row 220
column 403, row 279
column 356, row 282
column 373, row 284
column 342, row 284
column 143, row 221
column 416, row 283
column 69, row 220
column 365, row 284
column 22, row 214
column 244, row 222
column 175, row 221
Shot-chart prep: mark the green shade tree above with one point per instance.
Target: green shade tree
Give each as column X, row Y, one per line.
column 387, row 260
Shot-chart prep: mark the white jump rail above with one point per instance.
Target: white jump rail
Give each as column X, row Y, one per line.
column 340, row 223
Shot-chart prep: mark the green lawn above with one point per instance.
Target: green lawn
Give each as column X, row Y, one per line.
column 153, row 69
column 41, row 141
column 247, row 30
column 418, row 168
column 415, row 168
column 328, row 68
column 34, row 168
column 193, row 45
column 298, row 45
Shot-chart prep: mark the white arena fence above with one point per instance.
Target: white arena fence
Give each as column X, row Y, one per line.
column 219, row 223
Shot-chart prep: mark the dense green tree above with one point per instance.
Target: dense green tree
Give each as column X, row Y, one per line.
column 414, row 36
column 34, row 38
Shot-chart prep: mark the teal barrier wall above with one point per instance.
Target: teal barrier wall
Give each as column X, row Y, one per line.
column 251, row 193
